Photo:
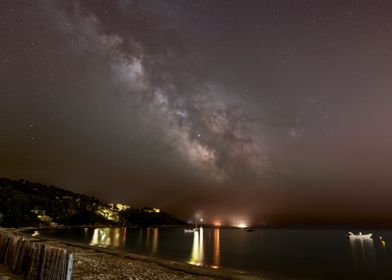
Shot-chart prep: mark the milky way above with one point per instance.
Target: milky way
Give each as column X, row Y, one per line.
column 255, row 110
column 194, row 120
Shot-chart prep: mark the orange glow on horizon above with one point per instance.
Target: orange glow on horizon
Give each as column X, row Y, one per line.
column 217, row 223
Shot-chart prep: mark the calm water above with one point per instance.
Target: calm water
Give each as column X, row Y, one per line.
column 278, row 253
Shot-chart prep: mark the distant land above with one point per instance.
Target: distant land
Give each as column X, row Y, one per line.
column 24, row 203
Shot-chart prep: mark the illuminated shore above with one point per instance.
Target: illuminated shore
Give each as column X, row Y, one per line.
column 103, row 263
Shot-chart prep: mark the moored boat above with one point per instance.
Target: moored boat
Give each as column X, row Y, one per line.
column 190, row 230
column 359, row 235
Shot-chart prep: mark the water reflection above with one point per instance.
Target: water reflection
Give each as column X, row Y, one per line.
column 147, row 244
column 108, row 237
column 154, row 241
column 124, row 235
column 140, row 239
column 148, row 239
column 362, row 252
column 216, row 255
column 197, row 254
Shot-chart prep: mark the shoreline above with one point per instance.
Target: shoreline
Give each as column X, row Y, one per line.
column 96, row 262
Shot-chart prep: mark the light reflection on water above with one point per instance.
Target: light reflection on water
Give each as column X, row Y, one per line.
column 108, row 237
column 117, row 237
column 362, row 252
column 197, row 254
column 216, row 256
column 154, row 247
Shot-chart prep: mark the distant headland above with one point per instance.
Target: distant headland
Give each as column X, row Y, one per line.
column 24, row 203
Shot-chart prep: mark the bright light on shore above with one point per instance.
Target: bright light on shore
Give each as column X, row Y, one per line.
column 242, row 225
column 217, row 223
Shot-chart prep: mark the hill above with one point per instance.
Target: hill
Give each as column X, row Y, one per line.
column 23, row 203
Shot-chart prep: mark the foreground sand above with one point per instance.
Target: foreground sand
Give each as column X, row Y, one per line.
column 90, row 264
column 102, row 264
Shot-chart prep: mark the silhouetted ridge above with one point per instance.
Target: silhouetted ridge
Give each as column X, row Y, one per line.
column 23, row 203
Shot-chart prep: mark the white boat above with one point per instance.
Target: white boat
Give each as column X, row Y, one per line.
column 190, row 230
column 360, row 235
column 195, row 229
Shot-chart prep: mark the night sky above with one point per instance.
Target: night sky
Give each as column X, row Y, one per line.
column 255, row 111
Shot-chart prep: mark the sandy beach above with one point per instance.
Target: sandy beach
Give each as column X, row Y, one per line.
column 90, row 264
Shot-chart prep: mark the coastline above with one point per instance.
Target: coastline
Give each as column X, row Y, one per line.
column 104, row 263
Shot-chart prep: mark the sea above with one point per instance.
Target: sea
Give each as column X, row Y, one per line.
column 272, row 253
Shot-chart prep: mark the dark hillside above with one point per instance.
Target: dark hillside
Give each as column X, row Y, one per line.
column 23, row 203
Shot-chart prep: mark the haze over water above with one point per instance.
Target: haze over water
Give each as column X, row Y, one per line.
column 273, row 253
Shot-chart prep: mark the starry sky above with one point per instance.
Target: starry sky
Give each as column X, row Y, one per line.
column 275, row 112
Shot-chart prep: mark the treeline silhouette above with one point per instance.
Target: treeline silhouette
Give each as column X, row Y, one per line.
column 145, row 217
